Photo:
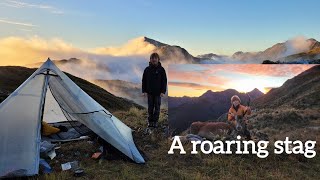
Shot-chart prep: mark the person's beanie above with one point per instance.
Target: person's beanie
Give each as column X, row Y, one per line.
column 235, row 98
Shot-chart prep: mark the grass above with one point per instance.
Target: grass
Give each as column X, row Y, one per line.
column 163, row 166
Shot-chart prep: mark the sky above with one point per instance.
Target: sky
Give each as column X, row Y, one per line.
column 194, row 79
column 216, row 26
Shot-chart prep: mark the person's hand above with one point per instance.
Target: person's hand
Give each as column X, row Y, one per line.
column 144, row 94
column 162, row 95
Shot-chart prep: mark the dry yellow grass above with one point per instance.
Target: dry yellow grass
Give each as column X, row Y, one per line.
column 160, row 165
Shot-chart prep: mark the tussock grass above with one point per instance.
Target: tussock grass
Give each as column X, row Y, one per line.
column 160, row 165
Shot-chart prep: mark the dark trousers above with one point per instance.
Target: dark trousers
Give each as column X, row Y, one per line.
column 154, row 103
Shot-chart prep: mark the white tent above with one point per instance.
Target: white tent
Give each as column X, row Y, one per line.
column 46, row 94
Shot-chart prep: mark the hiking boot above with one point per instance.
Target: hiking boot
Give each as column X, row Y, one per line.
column 147, row 131
column 153, row 124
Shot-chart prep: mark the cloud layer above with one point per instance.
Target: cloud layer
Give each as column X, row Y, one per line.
column 17, row 23
column 23, row 51
column 136, row 46
column 110, row 64
column 125, row 62
column 195, row 86
column 296, row 45
column 20, row 4
column 292, row 46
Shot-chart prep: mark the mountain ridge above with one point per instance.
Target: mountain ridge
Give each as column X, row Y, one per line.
column 282, row 52
column 174, row 54
column 301, row 91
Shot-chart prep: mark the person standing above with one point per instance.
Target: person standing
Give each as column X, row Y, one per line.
column 154, row 86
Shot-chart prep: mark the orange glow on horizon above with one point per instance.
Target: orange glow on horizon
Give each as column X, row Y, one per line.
column 174, row 92
column 194, row 80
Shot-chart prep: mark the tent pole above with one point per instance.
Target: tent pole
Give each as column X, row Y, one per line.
column 43, row 96
column 41, row 112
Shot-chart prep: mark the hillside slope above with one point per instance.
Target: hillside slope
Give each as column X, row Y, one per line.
column 302, row 91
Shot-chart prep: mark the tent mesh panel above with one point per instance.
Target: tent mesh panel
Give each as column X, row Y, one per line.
column 79, row 127
column 70, row 106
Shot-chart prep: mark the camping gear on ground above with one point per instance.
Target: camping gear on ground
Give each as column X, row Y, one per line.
column 63, row 128
column 193, row 137
column 52, row 154
column 96, row 155
column 71, row 133
column 47, row 149
column 79, row 172
column 48, row 130
column 48, row 94
column 74, row 166
column 46, row 167
column 64, row 140
column 70, row 165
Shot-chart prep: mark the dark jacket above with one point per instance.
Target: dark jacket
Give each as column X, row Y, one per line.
column 154, row 80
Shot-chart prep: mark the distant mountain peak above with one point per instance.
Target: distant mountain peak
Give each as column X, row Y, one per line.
column 274, row 52
column 208, row 93
column 238, row 52
column 255, row 93
column 255, row 90
column 312, row 40
column 231, row 91
column 210, row 56
column 152, row 41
